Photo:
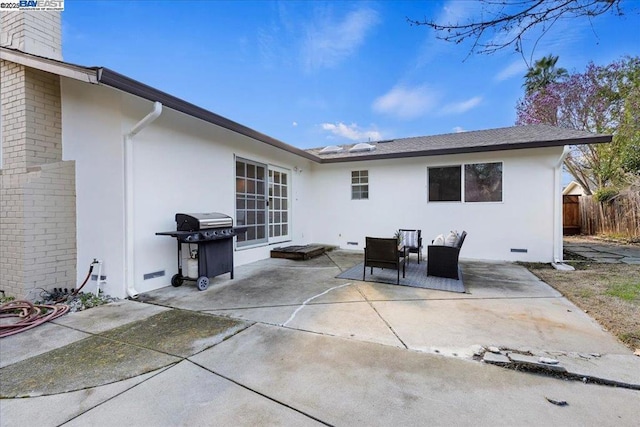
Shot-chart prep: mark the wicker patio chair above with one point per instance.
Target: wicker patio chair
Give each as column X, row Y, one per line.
column 383, row 253
column 412, row 240
column 442, row 261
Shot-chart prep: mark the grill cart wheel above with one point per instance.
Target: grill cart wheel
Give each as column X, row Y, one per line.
column 203, row 283
column 177, row 280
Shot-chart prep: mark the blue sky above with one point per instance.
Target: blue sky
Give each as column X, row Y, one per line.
column 318, row 73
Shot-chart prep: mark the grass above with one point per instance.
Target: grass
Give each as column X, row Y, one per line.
column 628, row 291
column 610, row 293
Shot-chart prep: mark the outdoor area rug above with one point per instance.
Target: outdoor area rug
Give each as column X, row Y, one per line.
column 416, row 276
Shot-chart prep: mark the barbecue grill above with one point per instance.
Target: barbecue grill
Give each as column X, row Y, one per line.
column 213, row 234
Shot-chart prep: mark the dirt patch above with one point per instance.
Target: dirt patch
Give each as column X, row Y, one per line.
column 620, row 240
column 610, row 293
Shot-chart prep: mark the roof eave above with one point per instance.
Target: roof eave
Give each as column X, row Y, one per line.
column 84, row 74
column 118, row 81
column 599, row 139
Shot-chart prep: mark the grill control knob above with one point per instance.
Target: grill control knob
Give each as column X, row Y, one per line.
column 192, row 237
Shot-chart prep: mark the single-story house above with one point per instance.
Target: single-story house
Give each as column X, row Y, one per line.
column 94, row 163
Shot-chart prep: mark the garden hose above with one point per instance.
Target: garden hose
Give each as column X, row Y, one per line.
column 86, row 279
column 29, row 315
column 22, row 315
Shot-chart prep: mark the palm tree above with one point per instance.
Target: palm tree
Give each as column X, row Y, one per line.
column 542, row 73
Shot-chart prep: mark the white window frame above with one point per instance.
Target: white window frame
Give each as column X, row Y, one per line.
column 256, row 241
column 274, row 210
column 359, row 184
column 269, row 201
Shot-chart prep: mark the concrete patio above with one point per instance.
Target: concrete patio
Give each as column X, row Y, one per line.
column 286, row 343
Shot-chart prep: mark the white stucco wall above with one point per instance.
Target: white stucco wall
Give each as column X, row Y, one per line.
column 92, row 136
column 186, row 165
column 398, row 199
column 181, row 164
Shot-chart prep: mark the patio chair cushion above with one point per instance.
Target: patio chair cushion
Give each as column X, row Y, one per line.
column 439, row 240
column 410, row 238
column 451, row 239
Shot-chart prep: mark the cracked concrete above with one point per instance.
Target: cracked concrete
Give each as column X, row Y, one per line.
column 619, row 370
column 351, row 353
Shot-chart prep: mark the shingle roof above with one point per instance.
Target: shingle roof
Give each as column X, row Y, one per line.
column 509, row 138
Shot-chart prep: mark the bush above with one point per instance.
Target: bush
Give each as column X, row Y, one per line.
column 605, row 194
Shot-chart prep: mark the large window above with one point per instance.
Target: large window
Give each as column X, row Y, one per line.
column 359, row 185
column 445, row 184
column 482, row 182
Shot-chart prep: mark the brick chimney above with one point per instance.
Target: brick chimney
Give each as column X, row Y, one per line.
column 35, row 32
column 37, row 188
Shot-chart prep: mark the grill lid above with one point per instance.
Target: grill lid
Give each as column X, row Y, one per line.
column 202, row 221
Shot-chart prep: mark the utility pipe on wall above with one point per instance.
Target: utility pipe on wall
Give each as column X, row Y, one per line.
column 557, row 207
column 128, row 199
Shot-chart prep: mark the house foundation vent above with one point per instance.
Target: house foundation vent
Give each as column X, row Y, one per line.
column 153, row 275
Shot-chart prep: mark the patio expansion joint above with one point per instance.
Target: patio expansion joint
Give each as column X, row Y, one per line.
column 368, row 301
column 464, row 298
column 102, row 335
column 382, row 318
column 159, row 371
column 252, row 390
column 250, row 307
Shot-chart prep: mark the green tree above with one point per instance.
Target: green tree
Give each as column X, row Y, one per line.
column 629, row 130
column 542, row 73
column 603, row 99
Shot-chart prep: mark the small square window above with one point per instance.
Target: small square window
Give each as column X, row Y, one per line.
column 359, row 185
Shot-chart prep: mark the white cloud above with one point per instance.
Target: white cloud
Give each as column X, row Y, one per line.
column 452, row 12
column 328, row 42
column 517, row 68
column 556, row 36
column 463, row 106
column 458, row 129
column 294, row 124
column 406, row 102
column 455, row 12
column 352, row 132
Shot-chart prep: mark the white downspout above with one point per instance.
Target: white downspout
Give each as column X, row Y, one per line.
column 128, row 198
column 557, row 208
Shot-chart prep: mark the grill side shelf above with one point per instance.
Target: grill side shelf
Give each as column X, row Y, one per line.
column 203, row 235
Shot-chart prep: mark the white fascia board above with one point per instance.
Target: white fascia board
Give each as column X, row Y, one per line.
column 50, row 66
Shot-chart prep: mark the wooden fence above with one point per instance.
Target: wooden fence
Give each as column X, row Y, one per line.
column 620, row 216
